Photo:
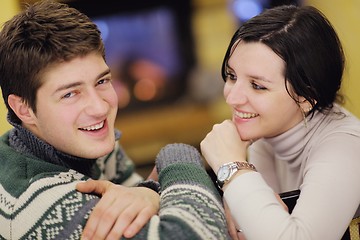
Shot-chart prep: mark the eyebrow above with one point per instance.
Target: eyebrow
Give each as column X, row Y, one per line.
column 260, row 78
column 228, row 67
column 256, row 77
column 79, row 83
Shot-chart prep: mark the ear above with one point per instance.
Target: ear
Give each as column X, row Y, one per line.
column 21, row 109
column 305, row 105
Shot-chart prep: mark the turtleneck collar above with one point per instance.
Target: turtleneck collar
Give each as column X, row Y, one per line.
column 24, row 141
column 291, row 143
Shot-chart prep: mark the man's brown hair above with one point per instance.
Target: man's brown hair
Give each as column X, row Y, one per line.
column 44, row 34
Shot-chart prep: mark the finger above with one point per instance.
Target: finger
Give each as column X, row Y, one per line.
column 124, row 219
column 93, row 186
column 107, row 226
column 95, row 216
column 241, row 236
column 92, row 224
column 230, row 223
column 233, row 233
column 140, row 221
column 99, row 222
column 90, row 227
column 281, row 202
column 84, row 186
column 231, row 228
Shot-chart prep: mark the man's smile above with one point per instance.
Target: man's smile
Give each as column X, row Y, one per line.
column 94, row 127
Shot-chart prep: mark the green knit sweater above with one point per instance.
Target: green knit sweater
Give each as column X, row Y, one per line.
column 38, row 199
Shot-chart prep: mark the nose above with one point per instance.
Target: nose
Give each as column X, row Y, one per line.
column 235, row 93
column 96, row 104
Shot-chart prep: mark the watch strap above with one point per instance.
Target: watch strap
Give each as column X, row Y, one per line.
column 245, row 165
column 239, row 166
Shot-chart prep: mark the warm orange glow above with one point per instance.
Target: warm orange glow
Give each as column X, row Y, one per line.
column 123, row 94
column 145, row 89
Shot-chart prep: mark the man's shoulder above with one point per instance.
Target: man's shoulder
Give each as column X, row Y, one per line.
column 40, row 190
column 39, row 199
column 49, row 203
column 18, row 169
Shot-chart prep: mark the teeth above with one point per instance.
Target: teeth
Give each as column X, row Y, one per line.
column 245, row 115
column 94, row 127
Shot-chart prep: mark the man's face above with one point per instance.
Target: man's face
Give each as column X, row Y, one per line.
column 76, row 107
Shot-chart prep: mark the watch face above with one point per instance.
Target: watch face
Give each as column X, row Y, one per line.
column 223, row 173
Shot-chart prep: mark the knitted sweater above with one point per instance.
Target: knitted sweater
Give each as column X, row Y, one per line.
column 38, row 199
column 322, row 159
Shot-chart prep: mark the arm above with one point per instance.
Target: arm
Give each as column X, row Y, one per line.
column 190, row 206
column 328, row 200
column 329, row 197
column 223, row 145
column 121, row 210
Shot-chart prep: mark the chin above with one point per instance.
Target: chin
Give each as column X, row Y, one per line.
column 96, row 155
column 97, row 152
column 246, row 136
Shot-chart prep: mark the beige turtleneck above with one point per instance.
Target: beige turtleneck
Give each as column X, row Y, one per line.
column 322, row 159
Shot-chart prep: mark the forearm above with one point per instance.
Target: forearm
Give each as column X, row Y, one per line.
column 190, row 206
column 253, row 207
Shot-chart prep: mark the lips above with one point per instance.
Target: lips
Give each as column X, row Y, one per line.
column 93, row 127
column 245, row 115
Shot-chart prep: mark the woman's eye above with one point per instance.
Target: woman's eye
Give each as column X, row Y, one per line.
column 257, row 87
column 231, row 76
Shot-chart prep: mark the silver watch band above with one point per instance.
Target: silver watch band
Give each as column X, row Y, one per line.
column 245, row 165
column 232, row 169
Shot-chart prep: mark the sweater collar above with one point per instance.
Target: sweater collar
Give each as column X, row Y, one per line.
column 24, row 141
column 291, row 143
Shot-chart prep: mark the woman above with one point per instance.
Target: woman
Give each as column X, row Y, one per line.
column 282, row 73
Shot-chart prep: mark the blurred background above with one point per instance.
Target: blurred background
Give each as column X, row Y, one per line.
column 166, row 56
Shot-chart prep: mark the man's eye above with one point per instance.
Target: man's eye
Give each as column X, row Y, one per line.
column 69, row 95
column 257, row 87
column 103, row 81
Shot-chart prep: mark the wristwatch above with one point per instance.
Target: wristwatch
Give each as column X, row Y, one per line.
column 227, row 170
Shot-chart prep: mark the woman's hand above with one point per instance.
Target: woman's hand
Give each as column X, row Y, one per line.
column 237, row 234
column 121, row 211
column 234, row 233
column 223, row 145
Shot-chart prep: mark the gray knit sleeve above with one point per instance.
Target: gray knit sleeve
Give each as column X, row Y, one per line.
column 190, row 205
column 177, row 153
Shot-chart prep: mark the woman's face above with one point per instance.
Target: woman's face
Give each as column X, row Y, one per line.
column 255, row 90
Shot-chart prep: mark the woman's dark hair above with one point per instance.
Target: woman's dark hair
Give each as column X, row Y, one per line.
column 308, row 44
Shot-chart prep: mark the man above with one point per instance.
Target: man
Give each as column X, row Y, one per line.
column 61, row 102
